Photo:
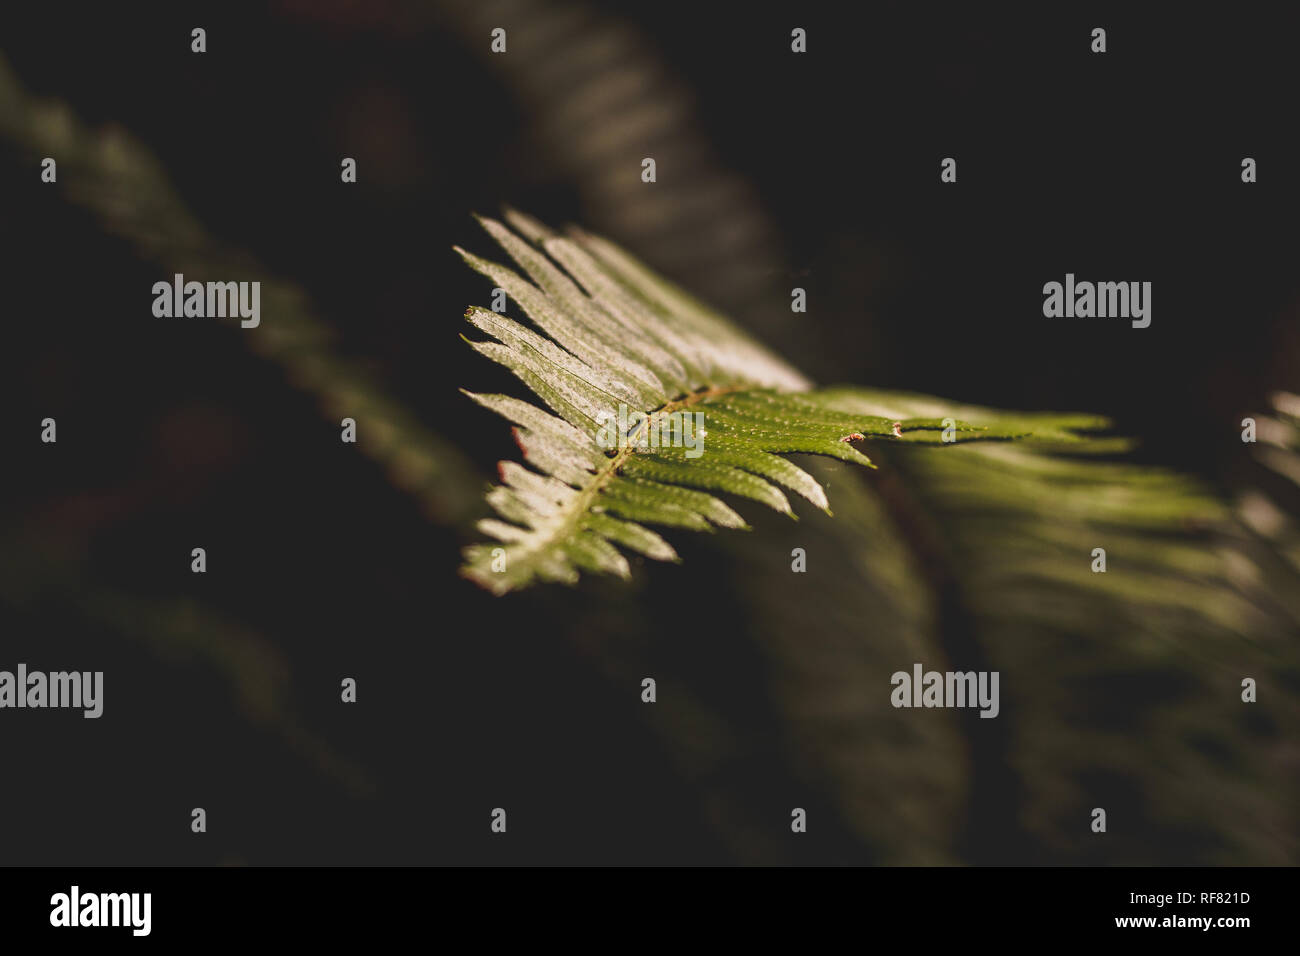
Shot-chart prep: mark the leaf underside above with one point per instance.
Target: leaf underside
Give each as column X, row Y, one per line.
column 655, row 405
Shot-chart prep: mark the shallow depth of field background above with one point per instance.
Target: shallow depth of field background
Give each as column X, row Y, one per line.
column 774, row 171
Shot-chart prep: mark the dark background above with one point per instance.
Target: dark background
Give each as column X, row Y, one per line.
column 173, row 434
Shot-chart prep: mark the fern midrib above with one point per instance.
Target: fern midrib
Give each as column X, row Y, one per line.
column 570, row 518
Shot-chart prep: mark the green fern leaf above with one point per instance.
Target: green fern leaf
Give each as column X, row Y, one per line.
column 655, row 405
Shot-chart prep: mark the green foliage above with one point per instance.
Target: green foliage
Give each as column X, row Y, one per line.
column 617, row 336
column 1266, row 509
column 1153, row 649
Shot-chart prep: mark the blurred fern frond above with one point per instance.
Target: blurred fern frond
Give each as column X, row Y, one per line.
column 114, row 175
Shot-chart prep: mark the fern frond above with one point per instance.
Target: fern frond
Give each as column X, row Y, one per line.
column 1194, row 600
column 657, row 404
column 1262, row 509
